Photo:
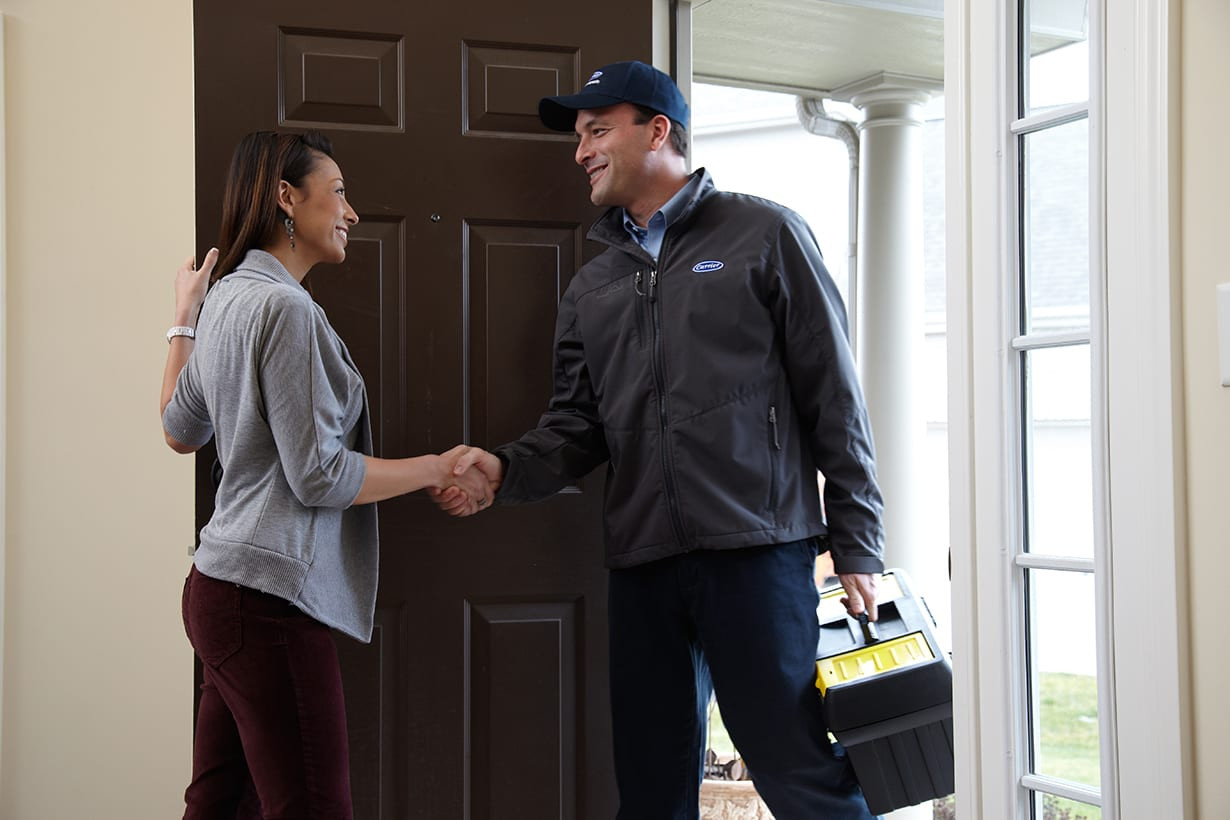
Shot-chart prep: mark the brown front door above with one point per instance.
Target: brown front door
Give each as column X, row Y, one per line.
column 484, row 692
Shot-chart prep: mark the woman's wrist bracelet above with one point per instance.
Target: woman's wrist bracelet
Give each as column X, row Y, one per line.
column 181, row 330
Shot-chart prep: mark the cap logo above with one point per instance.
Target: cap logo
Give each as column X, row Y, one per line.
column 593, row 78
column 708, row 266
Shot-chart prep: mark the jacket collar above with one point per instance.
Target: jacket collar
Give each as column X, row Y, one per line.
column 609, row 229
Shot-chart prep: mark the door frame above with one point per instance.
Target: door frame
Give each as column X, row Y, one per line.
column 4, row 357
column 1151, row 745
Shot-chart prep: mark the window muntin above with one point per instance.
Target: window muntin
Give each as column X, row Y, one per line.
column 1049, row 806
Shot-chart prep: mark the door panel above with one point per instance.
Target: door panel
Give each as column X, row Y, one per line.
column 522, row 660
column 484, row 691
column 516, row 274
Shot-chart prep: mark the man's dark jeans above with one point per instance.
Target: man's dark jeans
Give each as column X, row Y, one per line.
column 743, row 622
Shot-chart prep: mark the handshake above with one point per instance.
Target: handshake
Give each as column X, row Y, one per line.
column 471, row 478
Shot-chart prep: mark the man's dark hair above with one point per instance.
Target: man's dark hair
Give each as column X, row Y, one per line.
column 679, row 134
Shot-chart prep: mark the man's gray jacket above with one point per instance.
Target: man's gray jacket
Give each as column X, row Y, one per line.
column 715, row 383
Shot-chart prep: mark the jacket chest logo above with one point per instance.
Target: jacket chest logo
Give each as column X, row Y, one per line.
column 708, row 266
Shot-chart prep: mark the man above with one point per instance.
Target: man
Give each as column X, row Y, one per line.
column 704, row 356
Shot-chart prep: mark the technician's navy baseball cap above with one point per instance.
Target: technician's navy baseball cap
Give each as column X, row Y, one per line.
column 631, row 82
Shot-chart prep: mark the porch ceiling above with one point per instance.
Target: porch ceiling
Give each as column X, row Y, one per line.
column 822, row 45
column 815, row 45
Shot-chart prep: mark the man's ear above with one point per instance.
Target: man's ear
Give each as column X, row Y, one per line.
column 661, row 131
column 287, row 196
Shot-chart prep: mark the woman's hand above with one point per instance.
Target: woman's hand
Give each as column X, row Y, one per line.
column 191, row 283
column 190, row 286
column 474, row 477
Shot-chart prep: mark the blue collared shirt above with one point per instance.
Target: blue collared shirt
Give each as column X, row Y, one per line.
column 650, row 238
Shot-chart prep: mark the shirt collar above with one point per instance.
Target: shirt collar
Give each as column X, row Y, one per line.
column 665, row 216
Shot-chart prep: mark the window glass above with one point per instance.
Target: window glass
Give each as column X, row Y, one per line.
column 1057, row 71
column 1058, row 452
column 1063, row 680
column 1050, row 807
column 1056, row 215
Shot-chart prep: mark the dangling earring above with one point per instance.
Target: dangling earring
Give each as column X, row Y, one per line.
column 290, row 230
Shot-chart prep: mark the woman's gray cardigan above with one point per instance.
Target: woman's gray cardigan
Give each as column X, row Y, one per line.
column 272, row 382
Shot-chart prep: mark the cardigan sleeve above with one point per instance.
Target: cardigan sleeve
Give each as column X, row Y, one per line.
column 186, row 416
column 312, row 399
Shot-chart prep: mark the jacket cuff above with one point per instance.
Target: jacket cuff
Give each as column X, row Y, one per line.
column 505, row 494
column 848, row 564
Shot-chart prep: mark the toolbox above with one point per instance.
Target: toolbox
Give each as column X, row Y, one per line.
column 886, row 690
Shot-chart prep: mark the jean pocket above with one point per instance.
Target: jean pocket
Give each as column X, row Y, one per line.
column 212, row 617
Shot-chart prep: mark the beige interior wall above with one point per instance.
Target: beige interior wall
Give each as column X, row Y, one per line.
column 97, row 673
column 1205, row 229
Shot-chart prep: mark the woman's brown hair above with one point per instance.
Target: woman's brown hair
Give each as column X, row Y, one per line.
column 250, row 213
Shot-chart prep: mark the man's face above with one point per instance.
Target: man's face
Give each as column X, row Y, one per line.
column 614, row 150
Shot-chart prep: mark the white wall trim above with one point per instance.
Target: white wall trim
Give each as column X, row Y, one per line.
column 1147, row 511
column 957, row 82
column 1100, row 439
column 998, row 609
column 976, row 39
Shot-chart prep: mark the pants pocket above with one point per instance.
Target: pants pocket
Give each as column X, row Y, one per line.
column 212, row 618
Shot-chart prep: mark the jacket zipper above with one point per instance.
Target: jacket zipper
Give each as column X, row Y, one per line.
column 773, row 465
column 659, row 381
column 640, row 309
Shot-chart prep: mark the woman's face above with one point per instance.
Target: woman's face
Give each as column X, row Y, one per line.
column 322, row 215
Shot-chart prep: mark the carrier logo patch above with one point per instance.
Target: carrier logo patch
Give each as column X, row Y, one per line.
column 708, row 266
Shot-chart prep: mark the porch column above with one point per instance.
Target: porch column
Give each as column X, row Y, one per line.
column 888, row 326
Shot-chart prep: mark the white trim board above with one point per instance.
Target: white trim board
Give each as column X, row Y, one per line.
column 1144, row 373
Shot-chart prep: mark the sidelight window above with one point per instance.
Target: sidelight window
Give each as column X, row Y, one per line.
column 1055, row 347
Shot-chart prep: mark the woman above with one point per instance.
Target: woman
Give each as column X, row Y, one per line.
column 291, row 549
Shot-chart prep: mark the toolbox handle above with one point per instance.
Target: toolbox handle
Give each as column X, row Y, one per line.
column 870, row 633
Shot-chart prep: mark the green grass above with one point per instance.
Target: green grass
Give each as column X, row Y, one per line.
column 1068, row 720
column 1068, row 716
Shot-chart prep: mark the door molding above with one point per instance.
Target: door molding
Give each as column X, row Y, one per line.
column 4, row 372
column 1145, row 406
column 976, row 36
column 958, row 84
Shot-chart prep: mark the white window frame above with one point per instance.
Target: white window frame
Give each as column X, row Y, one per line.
column 1146, row 754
